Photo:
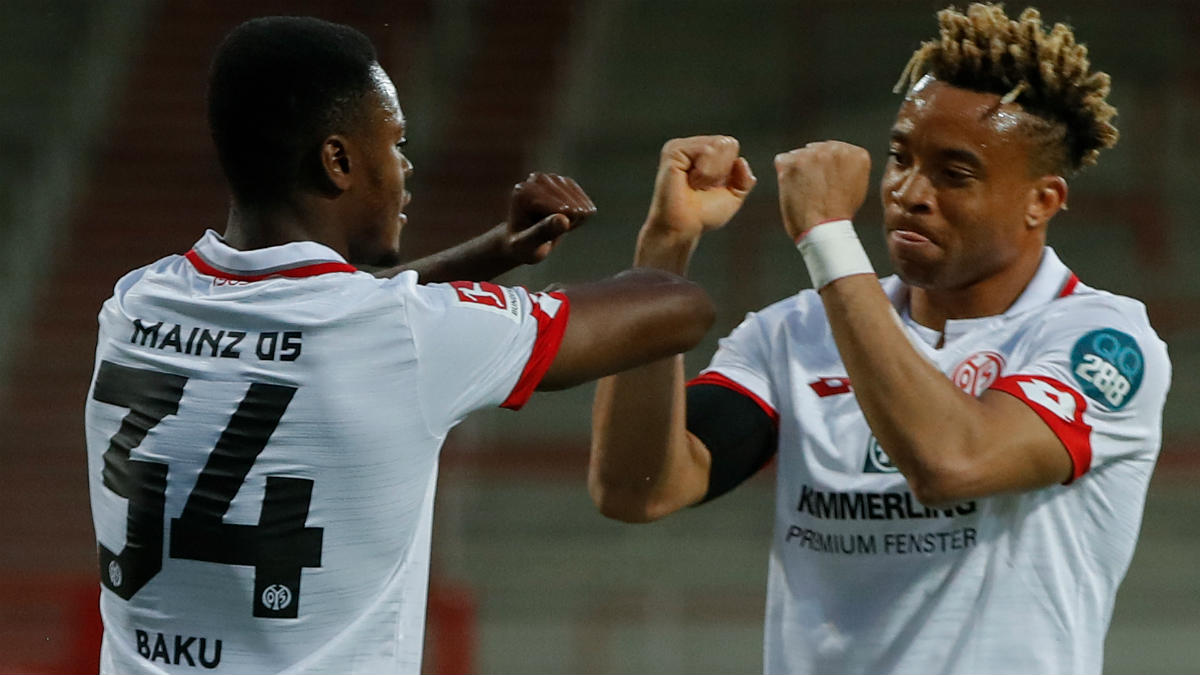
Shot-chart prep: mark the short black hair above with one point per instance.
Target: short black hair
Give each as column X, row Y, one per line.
column 279, row 86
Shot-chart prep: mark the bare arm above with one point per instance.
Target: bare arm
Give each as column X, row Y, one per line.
column 949, row 446
column 644, row 463
column 543, row 208
column 635, row 317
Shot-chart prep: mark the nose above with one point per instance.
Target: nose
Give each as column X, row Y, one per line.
column 913, row 191
column 406, row 166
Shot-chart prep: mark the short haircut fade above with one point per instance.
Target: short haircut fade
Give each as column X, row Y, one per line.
column 277, row 87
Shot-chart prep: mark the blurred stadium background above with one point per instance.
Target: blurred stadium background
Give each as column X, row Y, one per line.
column 105, row 165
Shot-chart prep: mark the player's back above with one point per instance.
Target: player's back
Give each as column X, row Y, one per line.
column 262, row 469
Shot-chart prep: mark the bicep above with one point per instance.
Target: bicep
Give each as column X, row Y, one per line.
column 1027, row 445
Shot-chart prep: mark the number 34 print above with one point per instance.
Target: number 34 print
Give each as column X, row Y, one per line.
column 278, row 547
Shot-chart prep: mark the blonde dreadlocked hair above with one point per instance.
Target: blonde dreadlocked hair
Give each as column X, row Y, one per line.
column 1046, row 72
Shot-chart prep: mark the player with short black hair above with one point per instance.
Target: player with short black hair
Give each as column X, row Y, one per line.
column 264, row 420
column 278, row 86
column 963, row 449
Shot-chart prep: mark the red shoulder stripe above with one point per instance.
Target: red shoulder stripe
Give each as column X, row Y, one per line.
column 1069, row 287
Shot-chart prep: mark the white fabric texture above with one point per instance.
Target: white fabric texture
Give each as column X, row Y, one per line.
column 864, row 579
column 381, row 370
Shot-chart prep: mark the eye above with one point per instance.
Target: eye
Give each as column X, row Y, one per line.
column 401, row 143
column 956, row 175
column 898, row 156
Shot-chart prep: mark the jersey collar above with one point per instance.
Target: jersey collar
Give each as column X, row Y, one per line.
column 1052, row 280
column 213, row 257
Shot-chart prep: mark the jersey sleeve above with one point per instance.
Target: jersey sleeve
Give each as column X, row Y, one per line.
column 732, row 410
column 480, row 344
column 741, row 364
column 1097, row 374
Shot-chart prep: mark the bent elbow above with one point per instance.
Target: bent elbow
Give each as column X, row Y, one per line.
column 929, row 494
column 624, row 504
column 620, row 507
column 939, row 487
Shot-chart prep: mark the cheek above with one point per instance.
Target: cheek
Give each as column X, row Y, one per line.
column 889, row 181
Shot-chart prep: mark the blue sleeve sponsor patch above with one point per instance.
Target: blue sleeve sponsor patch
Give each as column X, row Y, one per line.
column 1108, row 365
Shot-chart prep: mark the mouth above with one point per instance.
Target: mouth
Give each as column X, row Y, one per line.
column 910, row 237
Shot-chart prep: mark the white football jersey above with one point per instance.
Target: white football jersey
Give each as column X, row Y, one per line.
column 865, row 579
column 263, row 431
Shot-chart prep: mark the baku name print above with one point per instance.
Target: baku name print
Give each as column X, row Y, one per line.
column 179, row 650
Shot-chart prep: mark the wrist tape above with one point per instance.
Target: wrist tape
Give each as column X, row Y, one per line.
column 831, row 251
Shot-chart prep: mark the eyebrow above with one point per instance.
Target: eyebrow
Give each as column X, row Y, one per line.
column 964, row 156
column 953, row 154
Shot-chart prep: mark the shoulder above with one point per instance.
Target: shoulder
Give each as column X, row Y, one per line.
column 801, row 313
column 1104, row 343
column 154, row 272
column 1090, row 311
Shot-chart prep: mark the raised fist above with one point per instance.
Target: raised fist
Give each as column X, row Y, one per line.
column 821, row 182
column 543, row 207
column 701, row 182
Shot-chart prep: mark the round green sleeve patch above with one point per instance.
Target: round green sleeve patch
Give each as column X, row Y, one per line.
column 1108, row 365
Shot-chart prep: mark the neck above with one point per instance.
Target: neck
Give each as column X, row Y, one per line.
column 249, row 228
column 932, row 307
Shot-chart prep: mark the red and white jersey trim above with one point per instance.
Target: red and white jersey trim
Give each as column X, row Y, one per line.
column 715, row 378
column 213, row 257
column 204, row 267
column 1061, row 408
column 551, row 311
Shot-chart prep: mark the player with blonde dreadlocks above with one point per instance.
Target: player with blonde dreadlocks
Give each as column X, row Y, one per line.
column 963, row 448
column 1046, row 72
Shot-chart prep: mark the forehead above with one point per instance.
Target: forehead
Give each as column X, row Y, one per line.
column 946, row 115
column 385, row 94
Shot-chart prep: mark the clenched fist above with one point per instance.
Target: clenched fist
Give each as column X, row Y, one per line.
column 701, row 182
column 543, row 207
column 821, row 182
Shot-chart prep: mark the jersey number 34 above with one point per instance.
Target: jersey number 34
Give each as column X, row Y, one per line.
column 278, row 547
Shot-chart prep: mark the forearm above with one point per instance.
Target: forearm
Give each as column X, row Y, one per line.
column 644, row 464
column 925, row 424
column 479, row 259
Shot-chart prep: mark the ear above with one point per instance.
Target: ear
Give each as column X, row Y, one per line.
column 1048, row 197
column 335, row 161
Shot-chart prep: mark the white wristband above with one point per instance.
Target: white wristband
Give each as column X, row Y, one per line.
column 832, row 251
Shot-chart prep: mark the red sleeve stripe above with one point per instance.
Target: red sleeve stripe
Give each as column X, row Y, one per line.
column 313, row 270
column 1068, row 287
column 715, row 378
column 1061, row 408
column 550, row 332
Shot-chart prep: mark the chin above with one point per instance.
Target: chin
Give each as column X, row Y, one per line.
column 389, row 258
column 921, row 274
column 374, row 257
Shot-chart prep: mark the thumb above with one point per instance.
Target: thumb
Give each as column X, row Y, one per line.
column 741, row 178
column 547, row 229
